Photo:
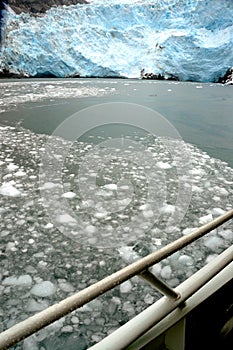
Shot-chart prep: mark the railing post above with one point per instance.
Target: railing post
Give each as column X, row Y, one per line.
column 159, row 284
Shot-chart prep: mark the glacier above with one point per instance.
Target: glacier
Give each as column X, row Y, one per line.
column 191, row 40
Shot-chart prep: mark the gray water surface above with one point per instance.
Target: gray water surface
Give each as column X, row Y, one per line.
column 202, row 113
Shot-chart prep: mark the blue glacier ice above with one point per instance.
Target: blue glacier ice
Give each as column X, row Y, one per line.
column 190, row 39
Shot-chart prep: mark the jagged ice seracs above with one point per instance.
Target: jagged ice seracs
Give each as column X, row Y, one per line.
column 188, row 39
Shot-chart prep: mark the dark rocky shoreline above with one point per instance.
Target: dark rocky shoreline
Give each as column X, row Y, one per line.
column 227, row 79
column 40, row 6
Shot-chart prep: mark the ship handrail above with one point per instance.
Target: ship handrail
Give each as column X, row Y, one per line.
column 124, row 336
column 31, row 325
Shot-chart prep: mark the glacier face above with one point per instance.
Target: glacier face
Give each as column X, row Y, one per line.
column 190, row 39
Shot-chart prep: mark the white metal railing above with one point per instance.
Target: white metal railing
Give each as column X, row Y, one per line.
column 181, row 311
column 42, row 319
column 143, row 322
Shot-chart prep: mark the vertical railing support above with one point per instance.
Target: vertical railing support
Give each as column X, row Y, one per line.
column 159, row 284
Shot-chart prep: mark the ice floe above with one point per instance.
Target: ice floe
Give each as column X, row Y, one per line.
column 7, row 189
column 43, row 289
column 41, row 266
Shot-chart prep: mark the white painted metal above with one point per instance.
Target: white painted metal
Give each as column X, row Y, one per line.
column 223, row 277
column 139, row 325
column 160, row 285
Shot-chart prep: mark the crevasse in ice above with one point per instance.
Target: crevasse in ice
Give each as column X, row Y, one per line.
column 191, row 39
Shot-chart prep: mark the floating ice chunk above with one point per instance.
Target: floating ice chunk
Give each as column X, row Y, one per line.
column 188, row 230
column 128, row 307
column 166, row 272
column 223, row 192
column 23, row 280
column 197, row 171
column 30, row 344
column 20, row 222
column 20, row 173
column 124, row 187
column 42, row 264
column 211, row 257
column 128, row 254
column 157, row 241
column 163, row 165
column 87, row 204
column 110, row 187
column 67, row 329
column 196, row 189
column 144, row 207
column 101, row 214
column 7, row 189
column 2, row 210
column 34, row 306
column 49, row 186
column 74, row 320
column 69, row 195
column 11, row 246
column 156, row 269
column 12, row 167
column 205, row 219
column 213, row 242
column 226, row 234
column 41, row 335
column 168, row 209
column 43, row 289
column 66, row 287
column 66, row 219
column 56, row 326
column 95, row 305
column 103, row 192
column 148, row 299
column 39, row 255
column 90, row 229
column 49, row 225
column 126, row 287
column 147, row 214
column 185, row 260
column 217, row 211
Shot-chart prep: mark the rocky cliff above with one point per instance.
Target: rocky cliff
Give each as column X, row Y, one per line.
column 39, row 6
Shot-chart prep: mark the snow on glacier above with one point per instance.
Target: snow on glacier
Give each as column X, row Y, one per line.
column 190, row 39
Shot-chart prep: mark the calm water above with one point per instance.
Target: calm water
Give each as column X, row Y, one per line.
column 202, row 113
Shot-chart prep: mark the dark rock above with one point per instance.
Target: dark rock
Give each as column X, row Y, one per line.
column 227, row 78
column 153, row 76
column 74, row 76
column 40, row 6
column 5, row 74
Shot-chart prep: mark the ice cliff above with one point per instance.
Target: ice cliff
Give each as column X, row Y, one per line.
column 189, row 39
